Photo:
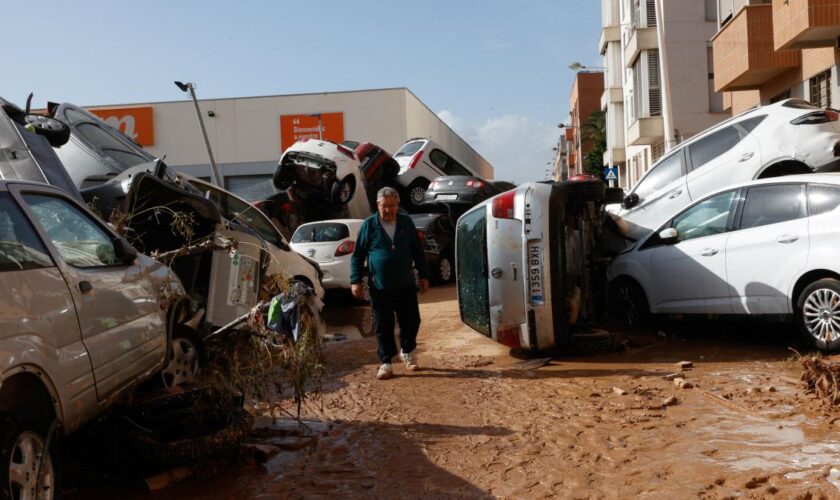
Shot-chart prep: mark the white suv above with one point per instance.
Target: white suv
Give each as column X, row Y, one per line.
column 421, row 160
column 789, row 137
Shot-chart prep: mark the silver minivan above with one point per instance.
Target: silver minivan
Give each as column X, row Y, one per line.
column 523, row 259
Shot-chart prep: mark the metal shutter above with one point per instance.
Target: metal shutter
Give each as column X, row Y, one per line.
column 655, row 87
column 250, row 187
column 651, row 13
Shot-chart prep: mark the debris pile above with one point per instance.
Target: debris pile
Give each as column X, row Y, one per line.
column 822, row 378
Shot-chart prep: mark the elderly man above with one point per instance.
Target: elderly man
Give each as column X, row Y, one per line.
column 389, row 243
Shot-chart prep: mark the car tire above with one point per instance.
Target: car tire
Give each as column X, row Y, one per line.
column 816, row 307
column 55, row 131
column 342, row 192
column 628, row 304
column 283, row 177
column 445, row 269
column 23, row 441
column 584, row 190
column 416, row 193
column 183, row 359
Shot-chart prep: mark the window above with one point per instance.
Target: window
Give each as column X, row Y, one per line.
column 321, row 233
column 654, row 87
column 20, row 247
column 773, row 204
column 473, row 288
column 80, row 241
column 751, row 123
column 709, row 148
column 455, row 168
column 409, row 149
column 439, row 159
column 822, row 199
column 820, row 89
column 707, row 218
column 662, row 174
column 780, row 96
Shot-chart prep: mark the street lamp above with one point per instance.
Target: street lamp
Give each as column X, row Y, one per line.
column 214, row 170
column 577, row 66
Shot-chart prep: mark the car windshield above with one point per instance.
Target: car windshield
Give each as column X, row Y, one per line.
column 409, row 149
column 473, row 290
column 321, row 233
column 240, row 211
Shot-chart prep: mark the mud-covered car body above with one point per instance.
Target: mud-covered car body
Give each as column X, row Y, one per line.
column 524, row 263
column 379, row 168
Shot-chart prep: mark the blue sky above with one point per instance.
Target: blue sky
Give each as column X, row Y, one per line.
column 495, row 70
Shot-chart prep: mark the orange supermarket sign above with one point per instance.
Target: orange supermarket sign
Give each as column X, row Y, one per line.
column 137, row 123
column 296, row 127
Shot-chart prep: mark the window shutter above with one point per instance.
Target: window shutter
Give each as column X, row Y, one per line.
column 637, row 89
column 651, row 13
column 655, row 91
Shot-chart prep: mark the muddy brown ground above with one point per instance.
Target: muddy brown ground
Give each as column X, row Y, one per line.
column 476, row 422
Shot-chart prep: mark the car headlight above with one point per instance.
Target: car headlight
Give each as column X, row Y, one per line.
column 125, row 184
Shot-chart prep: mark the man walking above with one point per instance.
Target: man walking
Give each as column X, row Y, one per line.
column 389, row 243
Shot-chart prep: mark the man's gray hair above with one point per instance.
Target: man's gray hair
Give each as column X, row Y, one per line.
column 387, row 192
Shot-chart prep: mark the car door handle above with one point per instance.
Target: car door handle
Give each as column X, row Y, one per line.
column 85, row 286
column 708, row 252
column 747, row 156
column 513, row 268
column 675, row 194
column 787, row 238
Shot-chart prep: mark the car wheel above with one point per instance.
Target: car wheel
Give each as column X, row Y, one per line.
column 444, row 269
column 183, row 361
column 818, row 313
column 417, row 192
column 24, row 450
column 56, row 132
column 283, row 177
column 629, row 304
column 342, row 192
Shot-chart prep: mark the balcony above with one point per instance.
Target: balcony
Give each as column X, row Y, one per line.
column 745, row 58
column 608, row 34
column 614, row 156
column 570, row 133
column 646, row 131
column 640, row 39
column 611, row 96
column 805, row 24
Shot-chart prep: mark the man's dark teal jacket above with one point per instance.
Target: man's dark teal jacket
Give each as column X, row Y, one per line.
column 390, row 263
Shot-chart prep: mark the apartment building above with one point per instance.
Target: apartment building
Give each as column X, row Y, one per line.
column 585, row 99
column 766, row 51
column 656, row 75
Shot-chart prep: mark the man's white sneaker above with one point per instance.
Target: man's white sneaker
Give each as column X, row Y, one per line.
column 410, row 361
column 385, row 371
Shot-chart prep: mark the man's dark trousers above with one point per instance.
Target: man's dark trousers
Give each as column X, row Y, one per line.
column 403, row 303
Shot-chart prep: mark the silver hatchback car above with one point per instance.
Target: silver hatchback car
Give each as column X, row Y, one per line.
column 82, row 319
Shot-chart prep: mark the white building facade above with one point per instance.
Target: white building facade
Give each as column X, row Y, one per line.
column 635, row 78
column 248, row 134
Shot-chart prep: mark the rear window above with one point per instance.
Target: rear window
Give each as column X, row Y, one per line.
column 471, row 264
column 321, row 233
column 409, row 149
column 822, row 199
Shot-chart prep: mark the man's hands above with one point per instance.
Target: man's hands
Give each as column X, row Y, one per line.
column 358, row 291
column 424, row 285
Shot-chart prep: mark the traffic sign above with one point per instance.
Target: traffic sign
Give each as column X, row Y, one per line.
column 611, row 173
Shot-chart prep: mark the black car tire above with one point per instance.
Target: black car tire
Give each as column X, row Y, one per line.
column 816, row 306
column 628, row 304
column 342, row 192
column 14, row 427
column 55, row 131
column 415, row 193
column 444, row 270
column 283, row 177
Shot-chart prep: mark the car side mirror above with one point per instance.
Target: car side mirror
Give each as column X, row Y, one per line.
column 124, row 251
column 630, row 200
column 668, row 235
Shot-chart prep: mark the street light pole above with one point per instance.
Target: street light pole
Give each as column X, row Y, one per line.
column 214, row 169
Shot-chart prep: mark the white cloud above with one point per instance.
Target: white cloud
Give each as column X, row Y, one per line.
column 517, row 146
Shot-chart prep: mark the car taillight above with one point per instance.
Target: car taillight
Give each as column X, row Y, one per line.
column 415, row 159
column 509, row 337
column 346, row 152
column 503, row 205
column 346, row 248
column 476, row 183
column 422, row 235
column 817, row 117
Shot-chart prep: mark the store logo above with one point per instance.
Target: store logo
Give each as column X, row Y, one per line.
column 136, row 123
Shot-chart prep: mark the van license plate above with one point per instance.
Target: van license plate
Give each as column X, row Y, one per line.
column 535, row 274
column 446, row 197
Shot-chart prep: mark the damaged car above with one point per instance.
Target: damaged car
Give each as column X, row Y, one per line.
column 85, row 318
column 721, row 256
column 788, row 137
column 526, row 263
